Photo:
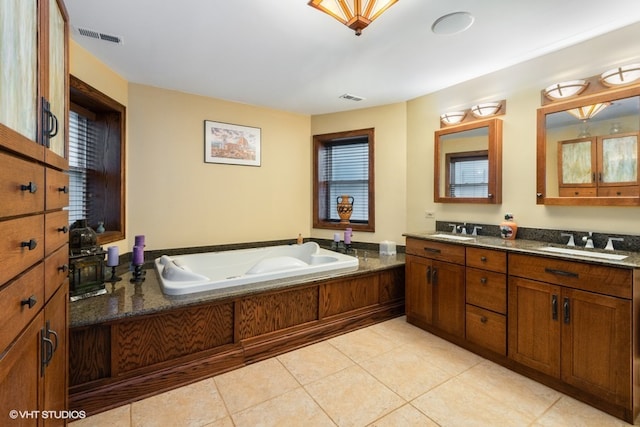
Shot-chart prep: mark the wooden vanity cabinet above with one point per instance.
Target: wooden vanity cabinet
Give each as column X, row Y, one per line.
column 573, row 321
column 435, row 294
column 486, row 299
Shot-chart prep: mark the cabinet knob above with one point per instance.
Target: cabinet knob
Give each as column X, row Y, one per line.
column 64, row 268
column 64, row 229
column 483, row 319
column 31, row 187
column 483, row 280
column 483, row 258
column 31, row 301
column 31, row 244
column 64, row 189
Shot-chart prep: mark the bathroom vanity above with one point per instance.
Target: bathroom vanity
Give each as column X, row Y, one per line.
column 568, row 321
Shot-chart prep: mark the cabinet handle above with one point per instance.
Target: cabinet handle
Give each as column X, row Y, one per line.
column 64, row 229
column 483, row 319
column 554, row 307
column 31, row 301
column 46, row 351
column 64, row 268
column 428, row 274
column 434, row 276
column 64, row 189
column 561, row 272
column 432, row 250
column 565, row 307
column 483, row 258
column 31, row 244
column 32, row 187
column 483, row 280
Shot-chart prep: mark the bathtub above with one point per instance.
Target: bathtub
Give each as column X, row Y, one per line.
column 185, row 274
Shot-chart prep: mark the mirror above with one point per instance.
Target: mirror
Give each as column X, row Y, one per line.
column 468, row 163
column 587, row 150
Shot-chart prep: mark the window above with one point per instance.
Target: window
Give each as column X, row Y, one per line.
column 468, row 174
column 343, row 165
column 96, row 160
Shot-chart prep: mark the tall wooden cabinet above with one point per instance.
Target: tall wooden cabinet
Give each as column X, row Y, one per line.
column 33, row 225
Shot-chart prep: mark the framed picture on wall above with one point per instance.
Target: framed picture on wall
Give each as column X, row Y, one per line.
column 231, row 144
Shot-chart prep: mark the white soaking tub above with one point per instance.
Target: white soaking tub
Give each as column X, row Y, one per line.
column 185, row 274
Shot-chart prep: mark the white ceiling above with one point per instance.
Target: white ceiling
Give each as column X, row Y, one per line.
column 283, row 54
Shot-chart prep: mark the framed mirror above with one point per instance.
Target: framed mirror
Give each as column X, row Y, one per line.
column 468, row 163
column 588, row 150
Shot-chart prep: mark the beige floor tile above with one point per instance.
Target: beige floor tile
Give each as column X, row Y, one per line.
column 568, row 412
column 406, row 416
column 192, row 405
column 446, row 356
column 362, row 344
column 294, row 408
column 352, row 397
column 120, row 416
column 223, row 422
column 253, row 384
column 406, row 373
column 399, row 331
column 313, row 362
column 454, row 403
column 510, row 388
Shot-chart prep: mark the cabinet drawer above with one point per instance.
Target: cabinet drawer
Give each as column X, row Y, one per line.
column 56, row 270
column 487, row 289
column 623, row 191
column 487, row 259
column 578, row 192
column 14, row 315
column 487, row 329
column 21, row 186
column 57, row 195
column 21, row 245
column 56, row 228
column 574, row 274
column 436, row 250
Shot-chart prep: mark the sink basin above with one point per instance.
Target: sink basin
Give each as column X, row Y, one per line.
column 583, row 253
column 452, row 237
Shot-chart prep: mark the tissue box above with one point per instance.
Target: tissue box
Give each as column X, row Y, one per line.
column 387, row 247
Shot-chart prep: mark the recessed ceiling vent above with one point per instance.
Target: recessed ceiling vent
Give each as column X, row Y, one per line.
column 351, row 97
column 99, row 36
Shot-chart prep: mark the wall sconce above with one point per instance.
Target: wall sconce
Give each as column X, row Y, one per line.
column 486, row 109
column 565, row 90
column 620, row 76
column 453, row 117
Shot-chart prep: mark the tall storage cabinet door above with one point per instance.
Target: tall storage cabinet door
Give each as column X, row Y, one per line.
column 419, row 290
column 534, row 324
column 55, row 373
column 596, row 344
column 19, row 59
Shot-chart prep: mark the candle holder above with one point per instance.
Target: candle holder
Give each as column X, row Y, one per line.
column 114, row 278
column 138, row 274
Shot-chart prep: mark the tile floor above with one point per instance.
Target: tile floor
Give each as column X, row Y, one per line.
column 389, row 374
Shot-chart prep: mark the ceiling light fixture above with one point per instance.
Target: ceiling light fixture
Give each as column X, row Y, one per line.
column 355, row 14
column 486, row 109
column 565, row 90
column 588, row 111
column 453, row 117
column 624, row 75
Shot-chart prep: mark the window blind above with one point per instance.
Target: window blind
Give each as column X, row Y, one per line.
column 82, row 154
column 344, row 170
column 469, row 177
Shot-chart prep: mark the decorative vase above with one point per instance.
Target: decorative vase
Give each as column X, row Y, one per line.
column 508, row 227
column 345, row 208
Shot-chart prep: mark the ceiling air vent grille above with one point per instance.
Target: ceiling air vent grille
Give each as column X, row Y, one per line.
column 351, row 97
column 99, row 36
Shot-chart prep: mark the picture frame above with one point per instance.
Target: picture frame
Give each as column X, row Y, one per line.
column 231, row 144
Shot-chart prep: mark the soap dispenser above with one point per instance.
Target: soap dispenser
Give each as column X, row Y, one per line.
column 508, row 227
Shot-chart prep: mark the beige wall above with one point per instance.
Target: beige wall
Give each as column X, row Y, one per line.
column 520, row 85
column 390, row 123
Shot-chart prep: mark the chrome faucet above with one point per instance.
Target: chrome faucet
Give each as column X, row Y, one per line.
column 463, row 228
column 571, row 242
column 454, row 228
column 475, row 230
column 588, row 240
column 609, row 246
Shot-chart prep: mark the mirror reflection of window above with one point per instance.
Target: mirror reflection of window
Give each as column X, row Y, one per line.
column 468, row 174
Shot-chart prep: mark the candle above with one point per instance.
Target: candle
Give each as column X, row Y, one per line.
column 347, row 236
column 112, row 256
column 336, row 237
column 138, row 255
column 139, row 241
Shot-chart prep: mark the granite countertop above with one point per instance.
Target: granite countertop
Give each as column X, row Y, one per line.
column 125, row 299
column 533, row 247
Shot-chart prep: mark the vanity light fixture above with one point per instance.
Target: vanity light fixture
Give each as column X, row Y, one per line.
column 355, row 14
column 588, row 111
column 566, row 89
column 453, row 117
column 620, row 76
column 486, row 109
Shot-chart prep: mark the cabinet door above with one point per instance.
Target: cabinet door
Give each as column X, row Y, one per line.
column 577, row 162
column 618, row 160
column 448, row 297
column 55, row 374
column 419, row 289
column 534, row 324
column 596, row 344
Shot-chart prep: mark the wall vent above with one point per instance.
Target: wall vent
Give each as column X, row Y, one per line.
column 351, row 97
column 99, row 36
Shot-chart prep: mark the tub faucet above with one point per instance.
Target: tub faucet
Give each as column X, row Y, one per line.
column 588, row 240
column 571, row 242
column 609, row 246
